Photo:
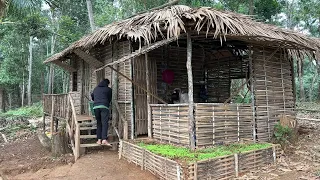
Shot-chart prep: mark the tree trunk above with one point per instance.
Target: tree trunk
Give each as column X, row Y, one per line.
column 30, row 71
column 312, row 86
column 90, row 14
column 251, row 7
column 1, row 100
column 10, row 100
column 51, row 71
column 22, row 90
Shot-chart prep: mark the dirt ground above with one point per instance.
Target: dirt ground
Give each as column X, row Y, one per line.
column 27, row 159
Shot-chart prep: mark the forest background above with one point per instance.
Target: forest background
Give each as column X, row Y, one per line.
column 33, row 30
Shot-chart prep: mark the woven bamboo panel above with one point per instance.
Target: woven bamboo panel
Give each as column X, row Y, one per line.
column 219, row 123
column 140, row 96
column 170, row 124
column 162, row 167
column 272, row 89
column 174, row 58
column 221, row 67
column 218, row 168
column 86, row 88
column 255, row 159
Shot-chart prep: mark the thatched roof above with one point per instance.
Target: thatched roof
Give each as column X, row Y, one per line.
column 176, row 20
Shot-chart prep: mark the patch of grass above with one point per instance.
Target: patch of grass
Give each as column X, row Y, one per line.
column 317, row 173
column 25, row 112
column 181, row 153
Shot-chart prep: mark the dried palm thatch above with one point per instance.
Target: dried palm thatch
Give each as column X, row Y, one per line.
column 176, row 20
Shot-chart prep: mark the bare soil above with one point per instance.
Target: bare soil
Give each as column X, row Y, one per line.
column 26, row 159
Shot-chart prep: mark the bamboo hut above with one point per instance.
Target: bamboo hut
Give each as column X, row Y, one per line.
column 206, row 49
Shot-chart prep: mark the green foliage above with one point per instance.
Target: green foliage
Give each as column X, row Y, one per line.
column 181, row 153
column 317, row 173
column 282, row 134
column 12, row 130
column 24, row 112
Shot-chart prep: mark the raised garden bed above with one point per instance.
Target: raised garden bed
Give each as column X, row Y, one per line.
column 221, row 162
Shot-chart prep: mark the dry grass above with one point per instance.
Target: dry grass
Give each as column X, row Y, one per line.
column 176, row 20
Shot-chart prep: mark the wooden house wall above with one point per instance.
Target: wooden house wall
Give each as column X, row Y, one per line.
column 272, row 89
column 175, row 58
column 76, row 95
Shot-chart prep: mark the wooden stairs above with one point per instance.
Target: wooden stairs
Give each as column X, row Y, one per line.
column 81, row 131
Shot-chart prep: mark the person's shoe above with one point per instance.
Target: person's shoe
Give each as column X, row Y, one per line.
column 106, row 143
column 99, row 141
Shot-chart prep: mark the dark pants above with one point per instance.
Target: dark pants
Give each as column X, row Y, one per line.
column 102, row 116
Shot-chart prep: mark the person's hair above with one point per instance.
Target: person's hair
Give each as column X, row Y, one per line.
column 107, row 81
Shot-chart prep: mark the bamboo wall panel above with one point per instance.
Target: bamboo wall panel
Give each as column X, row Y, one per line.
column 272, row 89
column 219, row 123
column 140, row 96
column 124, row 86
column 221, row 67
column 170, row 124
column 175, row 58
column 86, row 88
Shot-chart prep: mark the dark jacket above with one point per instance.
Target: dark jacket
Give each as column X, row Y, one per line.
column 102, row 94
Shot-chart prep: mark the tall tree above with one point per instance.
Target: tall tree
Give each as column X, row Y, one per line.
column 90, row 15
column 30, row 70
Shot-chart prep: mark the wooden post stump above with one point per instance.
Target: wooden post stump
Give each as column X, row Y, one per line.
column 59, row 144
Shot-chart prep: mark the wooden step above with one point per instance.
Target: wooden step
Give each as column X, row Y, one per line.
column 88, row 136
column 88, row 124
column 90, row 145
column 95, row 144
column 84, row 118
column 88, row 128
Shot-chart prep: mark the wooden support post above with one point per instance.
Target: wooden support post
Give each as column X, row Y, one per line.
column 52, row 115
column 252, row 94
column 195, row 171
column 148, row 96
column 114, row 99
column 77, row 142
column 190, row 93
column 236, row 164
column 178, row 172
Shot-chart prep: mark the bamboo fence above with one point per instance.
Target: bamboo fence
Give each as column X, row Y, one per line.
column 215, row 123
column 219, row 123
column 170, row 123
column 225, row 167
column 60, row 101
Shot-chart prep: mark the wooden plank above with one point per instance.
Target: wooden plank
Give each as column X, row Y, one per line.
column 190, row 93
column 52, row 115
column 148, row 96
